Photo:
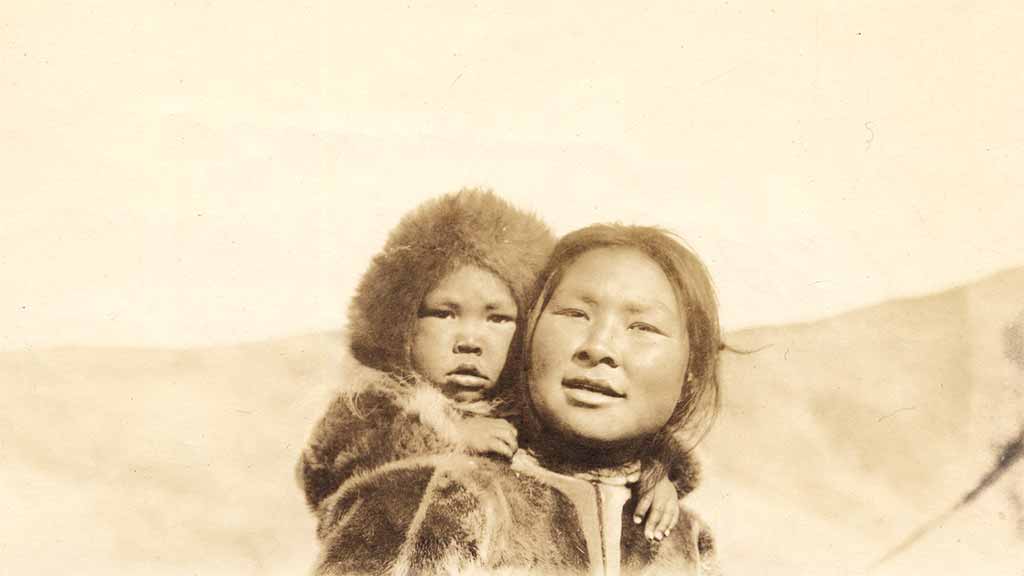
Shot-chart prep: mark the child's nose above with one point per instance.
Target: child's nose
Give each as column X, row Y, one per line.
column 468, row 347
column 468, row 341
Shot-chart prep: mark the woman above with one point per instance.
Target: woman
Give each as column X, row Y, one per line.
column 622, row 348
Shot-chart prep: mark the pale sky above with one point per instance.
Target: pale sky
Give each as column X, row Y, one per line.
column 193, row 173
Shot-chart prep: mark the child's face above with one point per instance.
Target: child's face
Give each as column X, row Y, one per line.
column 465, row 326
column 610, row 349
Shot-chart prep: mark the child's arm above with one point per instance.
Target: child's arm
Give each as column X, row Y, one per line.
column 670, row 478
column 660, row 505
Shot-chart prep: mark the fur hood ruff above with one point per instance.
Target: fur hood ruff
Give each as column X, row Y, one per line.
column 467, row 227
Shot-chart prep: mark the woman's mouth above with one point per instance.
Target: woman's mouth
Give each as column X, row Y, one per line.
column 591, row 391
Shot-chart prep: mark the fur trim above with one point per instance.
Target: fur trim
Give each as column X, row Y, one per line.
column 468, row 227
column 435, row 410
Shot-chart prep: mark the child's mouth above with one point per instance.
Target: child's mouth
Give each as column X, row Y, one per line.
column 468, row 376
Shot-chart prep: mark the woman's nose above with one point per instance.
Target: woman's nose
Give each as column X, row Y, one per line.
column 598, row 348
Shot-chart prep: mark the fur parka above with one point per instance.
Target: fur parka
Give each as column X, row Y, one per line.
column 379, row 385
column 377, row 419
column 467, row 227
column 393, row 494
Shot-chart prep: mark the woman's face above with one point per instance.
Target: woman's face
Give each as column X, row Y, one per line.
column 610, row 350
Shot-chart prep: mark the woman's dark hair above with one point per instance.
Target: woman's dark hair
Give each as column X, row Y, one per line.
column 699, row 400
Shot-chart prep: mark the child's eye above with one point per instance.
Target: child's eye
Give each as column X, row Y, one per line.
column 436, row 313
column 501, row 318
column 571, row 313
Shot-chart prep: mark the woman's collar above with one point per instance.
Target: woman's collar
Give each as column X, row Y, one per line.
column 620, row 475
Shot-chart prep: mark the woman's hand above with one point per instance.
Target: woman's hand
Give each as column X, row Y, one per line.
column 484, row 435
column 661, row 507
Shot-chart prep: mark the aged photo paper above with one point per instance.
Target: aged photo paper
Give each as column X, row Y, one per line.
column 192, row 191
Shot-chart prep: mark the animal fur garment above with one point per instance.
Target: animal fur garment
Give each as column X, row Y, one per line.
column 376, row 420
column 459, row 515
column 393, row 495
column 467, row 227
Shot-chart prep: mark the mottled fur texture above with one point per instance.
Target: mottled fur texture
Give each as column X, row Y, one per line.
column 393, row 495
column 457, row 515
column 468, row 227
column 380, row 418
column 377, row 419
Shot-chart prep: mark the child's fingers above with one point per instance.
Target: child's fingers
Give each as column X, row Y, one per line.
column 508, row 434
column 654, row 519
column 499, row 446
column 642, row 506
column 511, row 444
column 667, row 521
column 511, row 429
column 507, row 437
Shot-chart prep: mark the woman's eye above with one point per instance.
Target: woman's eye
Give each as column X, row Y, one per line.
column 436, row 313
column 501, row 318
column 645, row 327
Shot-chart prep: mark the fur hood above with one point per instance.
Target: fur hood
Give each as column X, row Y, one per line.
column 467, row 227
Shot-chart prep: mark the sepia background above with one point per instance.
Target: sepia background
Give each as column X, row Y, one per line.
column 191, row 191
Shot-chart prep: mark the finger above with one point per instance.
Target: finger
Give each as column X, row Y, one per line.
column 500, row 447
column 508, row 435
column 653, row 521
column 511, row 445
column 642, row 507
column 509, row 430
column 502, row 435
column 666, row 521
column 676, row 513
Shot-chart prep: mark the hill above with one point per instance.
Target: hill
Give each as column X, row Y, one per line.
column 837, row 440
column 161, row 461
column 841, row 437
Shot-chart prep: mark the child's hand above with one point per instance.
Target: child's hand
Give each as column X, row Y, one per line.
column 483, row 435
column 661, row 506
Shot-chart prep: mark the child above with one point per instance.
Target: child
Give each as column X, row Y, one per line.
column 433, row 332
